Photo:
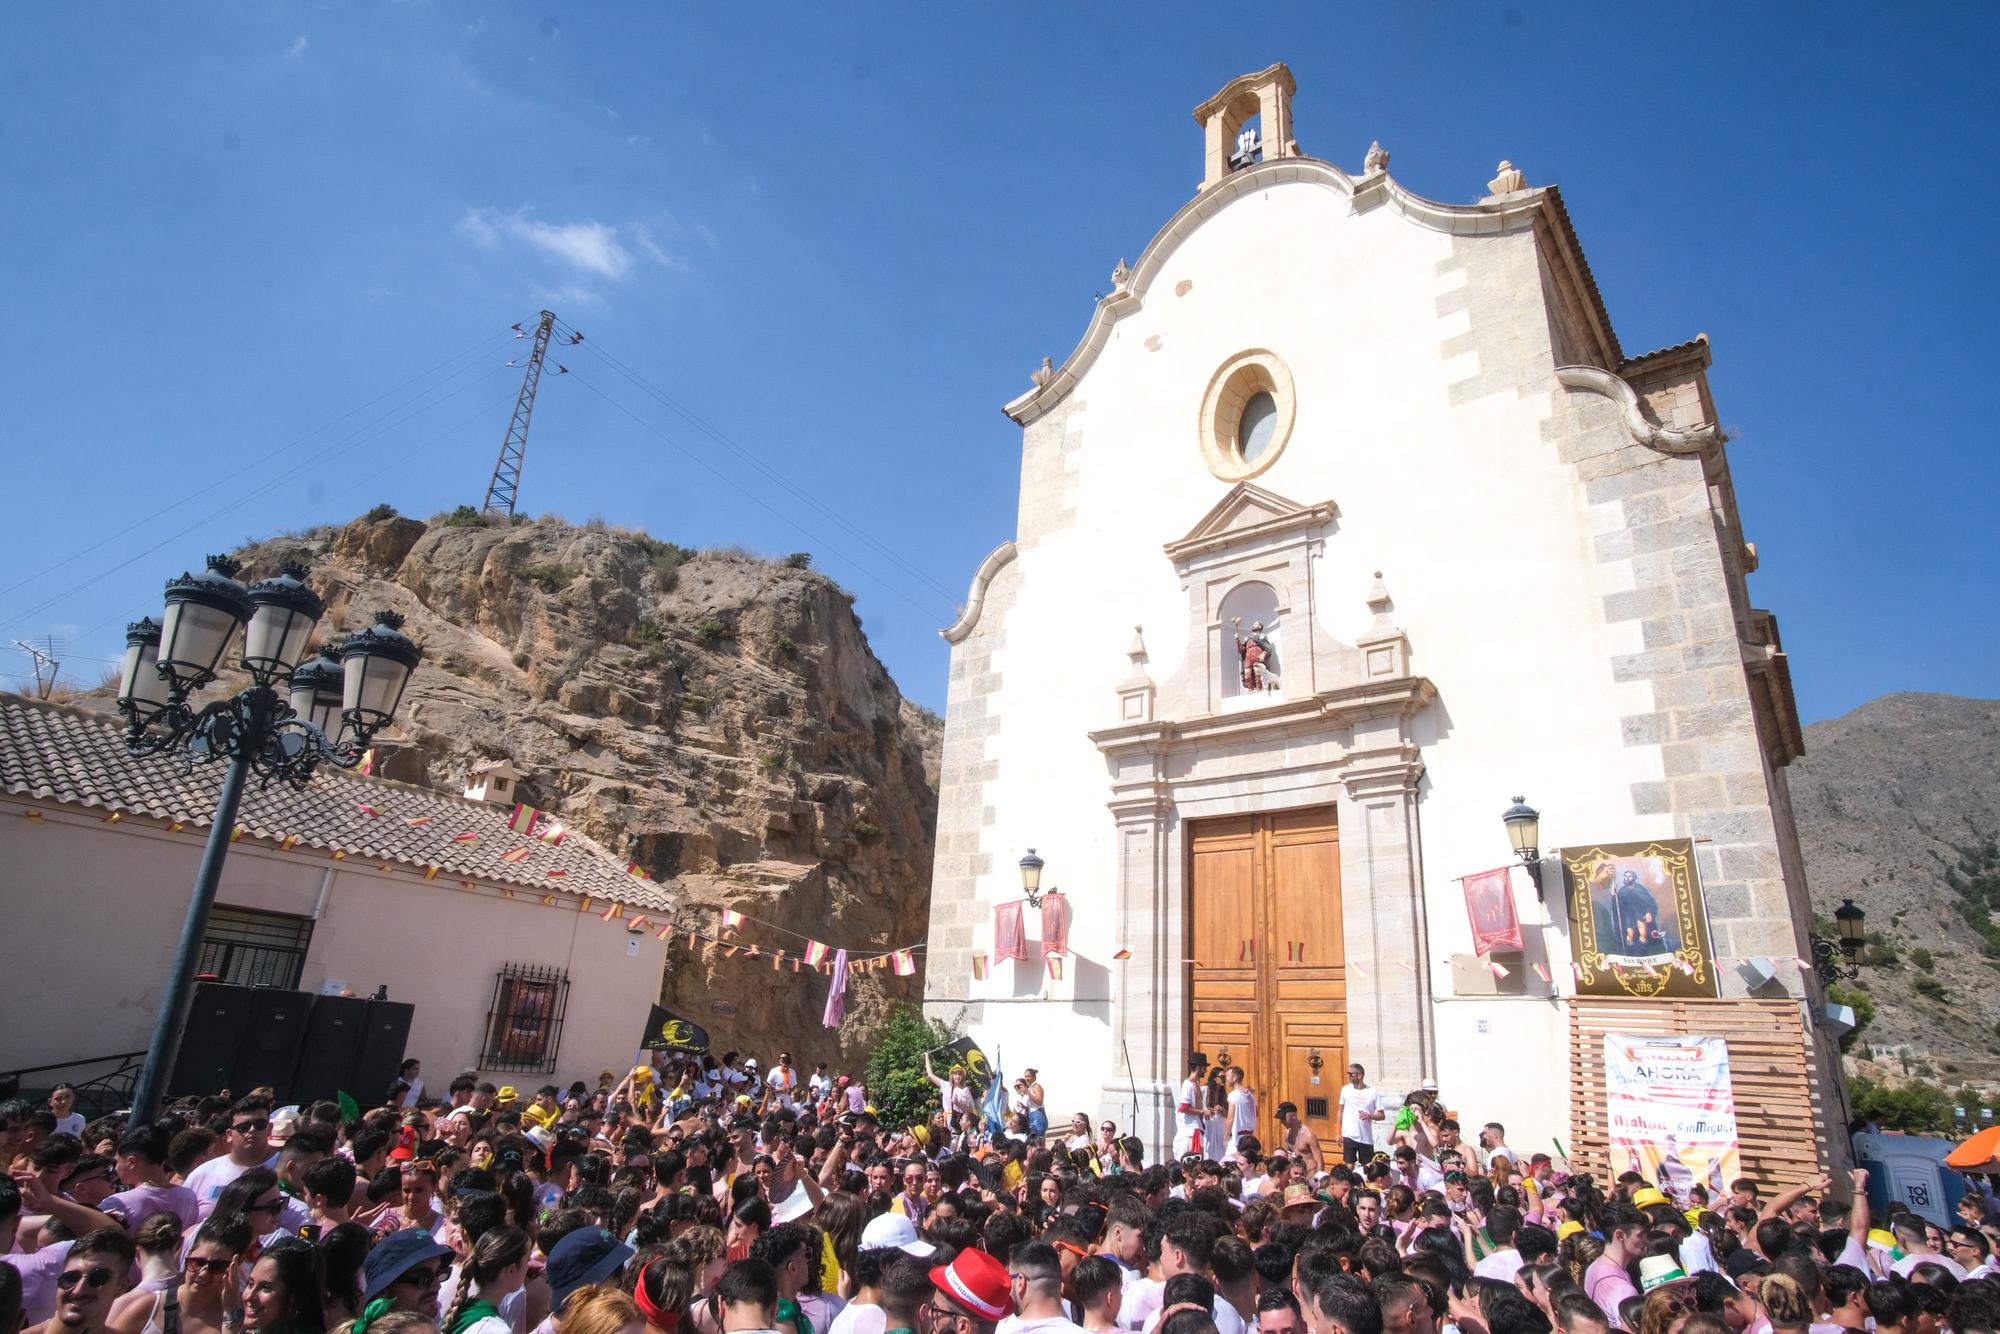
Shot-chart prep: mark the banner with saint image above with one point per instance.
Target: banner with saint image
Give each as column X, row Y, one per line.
column 1638, row 924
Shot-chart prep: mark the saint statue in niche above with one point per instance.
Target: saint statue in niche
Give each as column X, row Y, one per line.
column 1259, row 658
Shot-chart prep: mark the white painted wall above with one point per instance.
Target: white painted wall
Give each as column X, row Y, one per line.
column 1485, row 543
column 91, row 913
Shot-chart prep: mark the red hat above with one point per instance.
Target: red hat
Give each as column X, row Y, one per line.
column 977, row 1282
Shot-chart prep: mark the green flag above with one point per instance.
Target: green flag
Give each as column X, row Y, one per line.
column 350, row 1110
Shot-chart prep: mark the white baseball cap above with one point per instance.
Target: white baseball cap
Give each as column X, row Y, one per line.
column 896, row 1230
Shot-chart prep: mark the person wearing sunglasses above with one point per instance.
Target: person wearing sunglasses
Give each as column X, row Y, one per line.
column 209, row 1298
column 94, row 1274
column 249, row 1146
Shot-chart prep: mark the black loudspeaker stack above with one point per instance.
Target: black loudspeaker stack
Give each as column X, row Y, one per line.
column 304, row 1047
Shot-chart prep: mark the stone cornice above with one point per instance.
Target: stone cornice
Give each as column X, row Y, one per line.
column 1541, row 207
column 1213, row 534
column 975, row 596
column 1400, row 697
column 1695, row 440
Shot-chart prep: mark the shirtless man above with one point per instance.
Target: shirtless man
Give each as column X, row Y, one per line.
column 1300, row 1141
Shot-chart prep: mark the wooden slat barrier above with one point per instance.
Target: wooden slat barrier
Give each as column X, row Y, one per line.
column 1779, row 1123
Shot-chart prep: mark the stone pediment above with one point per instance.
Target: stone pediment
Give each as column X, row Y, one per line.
column 1248, row 514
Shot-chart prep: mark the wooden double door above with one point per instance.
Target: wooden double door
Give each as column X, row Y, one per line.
column 1269, row 970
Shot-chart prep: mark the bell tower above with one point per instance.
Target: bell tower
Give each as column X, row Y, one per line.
column 1231, row 141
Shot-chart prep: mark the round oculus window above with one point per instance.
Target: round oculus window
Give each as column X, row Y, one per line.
column 1246, row 415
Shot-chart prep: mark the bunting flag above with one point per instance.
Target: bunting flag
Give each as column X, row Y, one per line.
column 465, row 838
column 751, row 952
column 585, row 905
column 368, row 810
column 979, row 968
column 906, row 963
column 1359, row 967
column 1248, row 953
column 548, row 900
column 524, row 819
column 1541, row 971
column 636, row 871
column 1409, row 968
column 1055, row 968
column 505, row 892
column 731, row 919
column 1499, row 970
column 340, row 854
column 431, row 873
column 778, row 961
column 465, row 885
column 36, row 815
column 288, row 842
column 236, row 833
column 515, row 854
column 1121, row 956
column 795, row 965
column 368, row 760
column 691, row 940
column 816, row 953
column 553, row 835
column 1295, row 951
column 1489, row 905
column 418, row 822
column 638, row 922
column 173, row 827
column 728, row 951
column 1804, row 967
column 612, row 911
column 664, row 932
column 558, row 875
column 388, row 866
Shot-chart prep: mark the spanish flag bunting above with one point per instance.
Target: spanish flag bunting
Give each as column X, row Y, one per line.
column 728, row 951
column 524, row 818
column 638, row 922
column 1121, row 956
column 340, row 854
column 36, row 815
column 419, row 821
column 1541, row 971
column 553, row 835
column 388, row 866
column 173, row 826
column 1406, row 967
column 505, row 892
column 731, row 919
column 752, row 953
column 906, row 964
column 465, row 885
column 778, row 961
column 636, row 871
column 815, row 952
column 368, row 760
column 1359, row 967
column 1295, row 951
column 612, row 911
column 585, row 905
column 467, row 837
column 288, row 842
column 691, row 940
column 664, row 932
column 515, row 854
column 113, row 818
column 236, row 833
column 558, row 875
column 1055, row 968
column 1499, row 969
column 548, row 900
column 979, row 968
column 367, row 810
column 1248, row 954
column 431, row 873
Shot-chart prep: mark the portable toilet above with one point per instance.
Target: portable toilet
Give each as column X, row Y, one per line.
column 1910, row 1170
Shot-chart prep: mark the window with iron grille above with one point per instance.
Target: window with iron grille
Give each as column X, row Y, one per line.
column 524, row 1025
column 255, row 949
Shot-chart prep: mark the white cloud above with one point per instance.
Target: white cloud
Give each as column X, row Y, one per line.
column 297, row 50
column 597, row 249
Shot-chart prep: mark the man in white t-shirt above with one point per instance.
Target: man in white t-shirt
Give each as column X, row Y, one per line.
column 1360, row 1109
column 1912, row 1233
column 249, row 1146
column 784, row 1082
column 1035, row 1272
column 413, row 1075
column 1242, row 1106
column 1190, row 1106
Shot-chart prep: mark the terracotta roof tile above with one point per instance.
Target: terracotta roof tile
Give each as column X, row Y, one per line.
column 52, row 753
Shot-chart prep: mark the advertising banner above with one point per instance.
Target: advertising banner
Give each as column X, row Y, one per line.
column 1672, row 1113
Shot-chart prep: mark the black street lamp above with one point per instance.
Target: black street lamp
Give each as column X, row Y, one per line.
column 1031, row 878
column 1524, row 831
column 329, row 710
column 1851, row 925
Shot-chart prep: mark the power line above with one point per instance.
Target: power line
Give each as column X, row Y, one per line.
column 752, row 496
column 694, row 419
column 225, row 479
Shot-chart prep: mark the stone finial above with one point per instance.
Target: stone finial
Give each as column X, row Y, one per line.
column 1044, row 373
column 1507, row 178
column 1379, row 603
column 1137, row 651
column 1384, row 647
column 1121, row 274
column 1377, row 159
column 1136, row 692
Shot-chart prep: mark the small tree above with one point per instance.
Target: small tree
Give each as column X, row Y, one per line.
column 895, row 1076
column 380, row 512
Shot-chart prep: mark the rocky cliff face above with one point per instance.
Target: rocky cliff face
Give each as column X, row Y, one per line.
column 1886, row 796
column 717, row 718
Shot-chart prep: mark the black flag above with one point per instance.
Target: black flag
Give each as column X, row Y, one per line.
column 666, row 1031
column 966, row 1052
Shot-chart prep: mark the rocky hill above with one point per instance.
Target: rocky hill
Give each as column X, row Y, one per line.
column 1886, row 797
column 717, row 718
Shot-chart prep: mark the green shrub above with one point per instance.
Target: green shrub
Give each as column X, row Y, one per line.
column 667, row 568
column 380, row 512
column 521, row 659
column 1864, row 1010
column 463, row 517
column 1916, row 1107
column 1882, row 956
column 867, row 830
column 551, row 576
column 770, row 762
column 895, row 1076
column 1927, row 985
column 711, row 631
column 786, row 646
column 799, row 560
column 1923, row 959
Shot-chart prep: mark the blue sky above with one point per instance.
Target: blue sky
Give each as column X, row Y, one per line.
column 843, row 234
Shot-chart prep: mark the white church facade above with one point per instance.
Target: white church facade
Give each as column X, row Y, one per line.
column 1347, row 522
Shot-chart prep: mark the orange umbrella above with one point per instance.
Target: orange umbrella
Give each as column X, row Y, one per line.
column 1977, row 1153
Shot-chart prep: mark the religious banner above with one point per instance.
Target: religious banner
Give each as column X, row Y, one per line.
column 1489, row 903
column 1672, row 1112
column 1055, row 923
column 1009, row 939
column 666, row 1031
column 966, row 1052
column 1638, row 925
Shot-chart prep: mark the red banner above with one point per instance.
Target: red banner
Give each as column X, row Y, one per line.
column 1489, row 903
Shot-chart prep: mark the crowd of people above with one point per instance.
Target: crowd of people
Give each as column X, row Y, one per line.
column 704, row 1195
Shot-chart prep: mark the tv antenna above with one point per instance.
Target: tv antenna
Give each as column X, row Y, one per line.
column 506, row 483
column 44, row 651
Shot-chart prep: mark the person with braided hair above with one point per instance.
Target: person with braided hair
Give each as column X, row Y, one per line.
column 498, row 1269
